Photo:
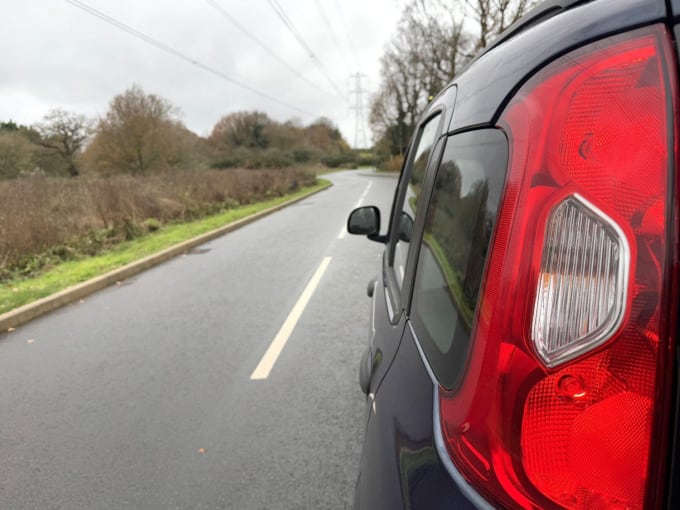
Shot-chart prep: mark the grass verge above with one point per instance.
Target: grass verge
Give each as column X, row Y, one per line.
column 16, row 293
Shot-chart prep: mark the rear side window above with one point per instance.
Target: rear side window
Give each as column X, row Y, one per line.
column 406, row 219
column 460, row 220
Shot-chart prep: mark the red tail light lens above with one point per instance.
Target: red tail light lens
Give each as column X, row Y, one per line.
column 564, row 401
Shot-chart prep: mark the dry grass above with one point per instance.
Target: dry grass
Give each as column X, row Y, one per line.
column 393, row 164
column 45, row 219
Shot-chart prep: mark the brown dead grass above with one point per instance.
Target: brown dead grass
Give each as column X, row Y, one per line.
column 44, row 219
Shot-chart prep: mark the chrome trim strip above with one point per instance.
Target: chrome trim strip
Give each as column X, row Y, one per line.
column 373, row 300
column 433, row 378
column 388, row 300
column 473, row 496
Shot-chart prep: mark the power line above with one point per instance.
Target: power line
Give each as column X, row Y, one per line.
column 262, row 45
column 281, row 13
column 344, row 25
column 168, row 49
column 333, row 34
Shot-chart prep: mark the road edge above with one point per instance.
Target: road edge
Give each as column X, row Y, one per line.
column 42, row 306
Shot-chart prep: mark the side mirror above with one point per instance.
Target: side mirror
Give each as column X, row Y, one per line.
column 364, row 221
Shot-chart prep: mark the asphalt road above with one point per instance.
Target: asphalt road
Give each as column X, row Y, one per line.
column 141, row 396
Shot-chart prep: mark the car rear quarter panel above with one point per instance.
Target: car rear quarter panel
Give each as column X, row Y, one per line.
column 489, row 83
column 411, row 475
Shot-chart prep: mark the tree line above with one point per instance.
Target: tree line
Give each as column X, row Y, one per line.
column 434, row 40
column 143, row 133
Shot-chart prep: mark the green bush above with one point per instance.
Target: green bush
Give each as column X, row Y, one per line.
column 236, row 158
column 302, row 155
column 16, row 154
column 151, row 225
column 339, row 160
column 366, row 159
column 270, row 158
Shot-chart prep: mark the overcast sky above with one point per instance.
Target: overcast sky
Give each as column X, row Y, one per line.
column 55, row 55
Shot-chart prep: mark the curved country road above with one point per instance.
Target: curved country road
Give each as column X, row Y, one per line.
column 141, row 397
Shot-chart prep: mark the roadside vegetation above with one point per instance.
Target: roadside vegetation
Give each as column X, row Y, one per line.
column 81, row 193
column 57, row 273
column 434, row 41
column 73, row 187
column 48, row 220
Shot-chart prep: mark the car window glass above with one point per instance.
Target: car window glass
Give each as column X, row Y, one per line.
column 404, row 222
column 458, row 227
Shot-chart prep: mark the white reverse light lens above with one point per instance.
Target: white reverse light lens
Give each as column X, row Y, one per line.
column 582, row 283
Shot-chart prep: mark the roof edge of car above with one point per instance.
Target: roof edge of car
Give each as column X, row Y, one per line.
column 540, row 12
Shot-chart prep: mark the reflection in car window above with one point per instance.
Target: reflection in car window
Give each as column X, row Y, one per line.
column 458, row 229
column 408, row 213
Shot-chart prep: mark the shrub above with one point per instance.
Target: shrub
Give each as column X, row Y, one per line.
column 342, row 159
column 271, row 158
column 302, row 155
column 393, row 164
column 16, row 154
column 366, row 159
column 43, row 219
column 236, row 158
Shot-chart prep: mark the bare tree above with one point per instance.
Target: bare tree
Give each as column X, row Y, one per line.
column 323, row 134
column 242, row 129
column 430, row 47
column 494, row 16
column 139, row 133
column 64, row 133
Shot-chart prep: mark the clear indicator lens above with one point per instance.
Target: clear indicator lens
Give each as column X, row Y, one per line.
column 581, row 291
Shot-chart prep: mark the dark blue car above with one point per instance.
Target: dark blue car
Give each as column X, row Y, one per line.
column 524, row 331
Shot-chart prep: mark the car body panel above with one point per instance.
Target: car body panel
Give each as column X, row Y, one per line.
column 503, row 70
column 404, row 463
column 388, row 322
column 445, row 100
column 415, row 477
column 385, row 335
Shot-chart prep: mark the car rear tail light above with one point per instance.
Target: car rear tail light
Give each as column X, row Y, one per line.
column 565, row 399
